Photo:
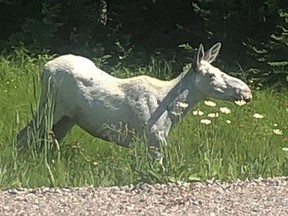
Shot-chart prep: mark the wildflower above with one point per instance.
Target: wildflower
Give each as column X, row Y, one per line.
column 210, row 103
column 285, row 149
column 228, row 121
column 277, row 131
column 240, row 102
column 225, row 110
column 258, row 116
column 275, row 125
column 213, row 115
column 205, row 121
column 182, row 104
column 198, row 112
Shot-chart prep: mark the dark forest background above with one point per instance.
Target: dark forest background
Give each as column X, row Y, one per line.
column 254, row 34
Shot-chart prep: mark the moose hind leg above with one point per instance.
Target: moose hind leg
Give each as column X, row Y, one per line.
column 62, row 127
column 23, row 137
column 33, row 131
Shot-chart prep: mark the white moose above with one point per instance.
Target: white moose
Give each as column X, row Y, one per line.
column 103, row 105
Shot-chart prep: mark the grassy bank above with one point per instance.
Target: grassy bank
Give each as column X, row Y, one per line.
column 248, row 142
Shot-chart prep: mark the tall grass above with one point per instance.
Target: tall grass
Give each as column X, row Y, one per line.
column 233, row 145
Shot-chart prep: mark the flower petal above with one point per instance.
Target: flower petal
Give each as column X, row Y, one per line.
column 225, row 110
column 213, row 115
column 210, row 103
column 258, row 116
column 240, row 102
column 277, row 131
column 205, row 121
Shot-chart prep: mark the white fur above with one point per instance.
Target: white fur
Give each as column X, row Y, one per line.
column 118, row 109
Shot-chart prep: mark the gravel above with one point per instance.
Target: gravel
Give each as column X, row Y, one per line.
column 257, row 197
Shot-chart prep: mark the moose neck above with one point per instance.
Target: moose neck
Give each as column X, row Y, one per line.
column 181, row 89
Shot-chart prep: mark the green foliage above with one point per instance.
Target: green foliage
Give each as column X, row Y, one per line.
column 130, row 38
column 243, row 147
column 254, row 33
column 204, row 21
column 42, row 31
column 273, row 54
column 280, row 44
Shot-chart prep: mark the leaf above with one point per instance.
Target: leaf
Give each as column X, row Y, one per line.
column 187, row 47
column 193, row 178
column 279, row 63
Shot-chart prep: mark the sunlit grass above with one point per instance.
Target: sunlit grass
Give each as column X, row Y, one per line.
column 215, row 140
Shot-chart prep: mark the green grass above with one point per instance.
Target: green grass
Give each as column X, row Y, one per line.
column 245, row 148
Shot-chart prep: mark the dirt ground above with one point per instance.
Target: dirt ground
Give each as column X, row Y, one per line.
column 257, row 197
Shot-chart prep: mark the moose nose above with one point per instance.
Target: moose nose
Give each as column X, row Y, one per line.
column 247, row 95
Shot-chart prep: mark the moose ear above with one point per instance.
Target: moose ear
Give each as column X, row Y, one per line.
column 212, row 53
column 197, row 58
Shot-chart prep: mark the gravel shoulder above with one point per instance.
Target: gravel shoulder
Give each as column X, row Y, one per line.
column 257, row 197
